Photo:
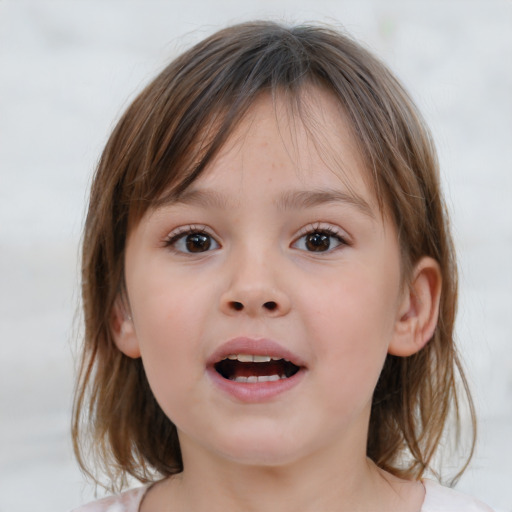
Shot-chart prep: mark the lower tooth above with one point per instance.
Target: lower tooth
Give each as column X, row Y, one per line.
column 241, row 379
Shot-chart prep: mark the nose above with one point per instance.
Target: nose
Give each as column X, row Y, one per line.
column 254, row 289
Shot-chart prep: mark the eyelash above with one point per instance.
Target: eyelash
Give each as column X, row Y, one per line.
column 172, row 240
column 329, row 231
column 181, row 233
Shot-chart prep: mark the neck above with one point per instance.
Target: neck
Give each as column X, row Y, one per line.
column 344, row 483
column 280, row 489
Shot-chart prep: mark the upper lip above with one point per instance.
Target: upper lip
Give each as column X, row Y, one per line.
column 254, row 346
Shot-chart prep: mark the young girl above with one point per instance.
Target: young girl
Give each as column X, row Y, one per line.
column 269, row 287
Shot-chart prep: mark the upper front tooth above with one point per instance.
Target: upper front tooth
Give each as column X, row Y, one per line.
column 261, row 359
column 245, row 358
column 249, row 358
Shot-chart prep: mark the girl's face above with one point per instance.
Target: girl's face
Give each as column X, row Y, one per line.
column 264, row 300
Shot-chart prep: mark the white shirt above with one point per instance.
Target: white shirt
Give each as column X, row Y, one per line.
column 437, row 499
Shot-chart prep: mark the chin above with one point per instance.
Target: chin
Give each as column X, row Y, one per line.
column 262, row 449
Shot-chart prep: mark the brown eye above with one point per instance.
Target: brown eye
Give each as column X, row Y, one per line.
column 193, row 242
column 317, row 242
column 198, row 242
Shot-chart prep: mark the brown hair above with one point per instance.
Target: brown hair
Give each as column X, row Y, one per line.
column 165, row 140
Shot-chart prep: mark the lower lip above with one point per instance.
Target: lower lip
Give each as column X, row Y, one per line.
column 255, row 392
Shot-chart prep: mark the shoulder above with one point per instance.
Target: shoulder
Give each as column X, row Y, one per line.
column 444, row 499
column 128, row 501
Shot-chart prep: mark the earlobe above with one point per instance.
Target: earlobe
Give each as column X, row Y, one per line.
column 123, row 332
column 419, row 310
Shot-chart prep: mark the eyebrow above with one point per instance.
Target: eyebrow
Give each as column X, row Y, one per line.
column 296, row 200
column 292, row 200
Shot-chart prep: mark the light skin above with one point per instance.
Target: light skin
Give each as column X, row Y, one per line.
column 292, row 248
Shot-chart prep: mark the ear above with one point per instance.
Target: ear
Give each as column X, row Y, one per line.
column 123, row 331
column 419, row 310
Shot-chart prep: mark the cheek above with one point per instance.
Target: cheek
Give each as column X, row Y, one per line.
column 167, row 303
column 160, row 314
column 361, row 298
column 353, row 324
column 169, row 327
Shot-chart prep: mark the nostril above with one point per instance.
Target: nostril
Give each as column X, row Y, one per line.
column 271, row 306
column 237, row 306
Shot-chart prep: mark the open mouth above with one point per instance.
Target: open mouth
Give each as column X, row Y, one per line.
column 249, row 368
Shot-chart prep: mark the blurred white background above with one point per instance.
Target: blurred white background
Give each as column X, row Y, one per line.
column 67, row 70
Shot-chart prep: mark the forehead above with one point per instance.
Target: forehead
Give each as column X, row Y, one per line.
column 301, row 142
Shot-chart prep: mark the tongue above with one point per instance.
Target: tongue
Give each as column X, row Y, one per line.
column 258, row 369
